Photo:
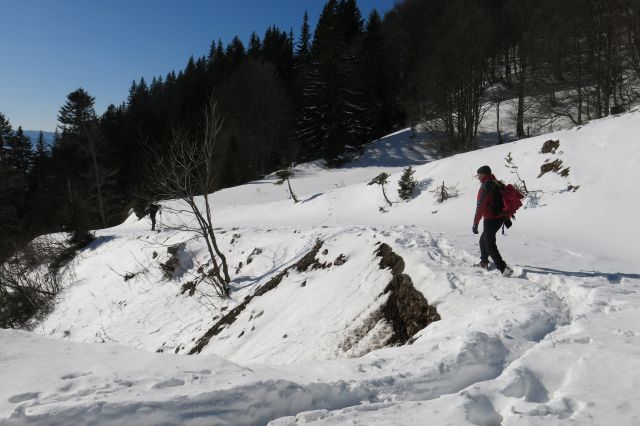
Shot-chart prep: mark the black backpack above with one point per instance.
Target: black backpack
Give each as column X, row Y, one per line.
column 495, row 187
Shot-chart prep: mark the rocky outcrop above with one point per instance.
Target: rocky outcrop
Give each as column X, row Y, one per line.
column 406, row 309
column 404, row 313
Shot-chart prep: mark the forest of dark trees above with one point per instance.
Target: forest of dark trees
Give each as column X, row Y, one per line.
column 324, row 92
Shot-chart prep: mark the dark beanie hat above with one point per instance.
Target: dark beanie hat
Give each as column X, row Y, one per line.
column 484, row 170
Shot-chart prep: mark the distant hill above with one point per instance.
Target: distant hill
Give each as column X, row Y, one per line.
column 33, row 135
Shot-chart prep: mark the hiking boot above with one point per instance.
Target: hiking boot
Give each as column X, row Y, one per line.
column 483, row 265
column 508, row 272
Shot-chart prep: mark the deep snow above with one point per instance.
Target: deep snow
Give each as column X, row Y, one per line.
column 556, row 344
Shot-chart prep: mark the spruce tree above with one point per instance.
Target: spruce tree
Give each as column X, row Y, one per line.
column 278, row 49
column 332, row 111
column 5, row 133
column 373, row 74
column 79, row 125
column 41, row 195
column 254, row 45
column 350, row 17
column 18, row 152
column 407, row 184
column 303, row 47
column 40, row 158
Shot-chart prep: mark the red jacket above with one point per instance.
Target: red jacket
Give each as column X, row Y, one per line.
column 485, row 201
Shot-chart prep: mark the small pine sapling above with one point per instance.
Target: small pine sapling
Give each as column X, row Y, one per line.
column 382, row 179
column 407, row 184
column 284, row 175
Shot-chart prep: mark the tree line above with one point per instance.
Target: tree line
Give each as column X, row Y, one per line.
column 324, row 93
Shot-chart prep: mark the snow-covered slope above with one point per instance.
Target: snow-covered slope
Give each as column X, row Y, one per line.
column 556, row 344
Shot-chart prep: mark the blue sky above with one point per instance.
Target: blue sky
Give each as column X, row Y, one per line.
column 50, row 48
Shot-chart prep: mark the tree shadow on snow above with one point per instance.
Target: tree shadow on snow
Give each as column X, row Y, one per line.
column 400, row 149
column 314, row 196
column 422, row 186
column 99, row 241
column 612, row 277
column 240, row 282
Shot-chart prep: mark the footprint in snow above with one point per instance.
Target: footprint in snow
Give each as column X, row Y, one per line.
column 71, row 376
column 199, row 372
column 23, row 397
column 171, row 383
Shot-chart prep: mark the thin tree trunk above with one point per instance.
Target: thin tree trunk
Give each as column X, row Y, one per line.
column 295, row 200
column 69, row 189
column 92, row 150
column 520, row 119
column 223, row 259
column 385, row 196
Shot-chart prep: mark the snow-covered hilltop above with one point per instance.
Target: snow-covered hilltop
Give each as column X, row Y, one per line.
column 323, row 327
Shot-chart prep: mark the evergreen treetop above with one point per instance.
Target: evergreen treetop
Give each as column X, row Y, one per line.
column 407, row 184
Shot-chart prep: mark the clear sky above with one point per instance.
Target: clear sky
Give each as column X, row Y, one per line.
column 48, row 48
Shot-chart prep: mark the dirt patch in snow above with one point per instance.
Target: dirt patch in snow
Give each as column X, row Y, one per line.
column 553, row 166
column 550, row 147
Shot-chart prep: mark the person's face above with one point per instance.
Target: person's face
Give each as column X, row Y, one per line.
column 481, row 176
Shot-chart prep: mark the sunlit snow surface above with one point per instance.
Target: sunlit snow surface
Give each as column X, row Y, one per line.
column 557, row 344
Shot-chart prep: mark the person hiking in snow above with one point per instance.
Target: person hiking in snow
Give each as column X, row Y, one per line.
column 153, row 210
column 493, row 220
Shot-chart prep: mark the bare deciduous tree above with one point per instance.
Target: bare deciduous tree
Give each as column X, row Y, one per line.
column 186, row 171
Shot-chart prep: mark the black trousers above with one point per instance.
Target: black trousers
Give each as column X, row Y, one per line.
column 488, row 246
column 153, row 221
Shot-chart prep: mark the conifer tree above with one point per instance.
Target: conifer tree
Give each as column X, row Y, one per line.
column 79, row 124
column 40, row 145
column 235, row 53
column 254, row 45
column 377, row 102
column 332, row 111
column 278, row 49
column 41, row 194
column 5, row 132
column 350, row 17
column 40, row 157
column 18, row 152
column 303, row 47
column 407, row 184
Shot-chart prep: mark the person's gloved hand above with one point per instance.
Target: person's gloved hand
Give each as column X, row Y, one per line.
column 508, row 223
column 475, row 228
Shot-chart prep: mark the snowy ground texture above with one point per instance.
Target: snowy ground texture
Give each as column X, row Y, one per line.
column 559, row 343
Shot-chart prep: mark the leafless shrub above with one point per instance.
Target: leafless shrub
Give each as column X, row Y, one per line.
column 443, row 193
column 29, row 282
